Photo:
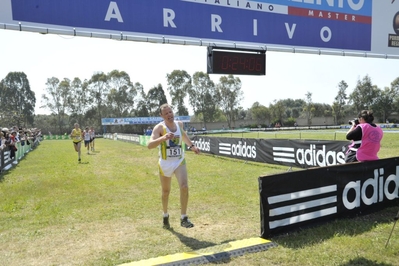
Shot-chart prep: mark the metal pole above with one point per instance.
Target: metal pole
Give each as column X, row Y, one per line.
column 396, row 219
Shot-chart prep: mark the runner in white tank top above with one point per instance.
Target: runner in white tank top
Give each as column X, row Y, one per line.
column 171, row 138
column 171, row 152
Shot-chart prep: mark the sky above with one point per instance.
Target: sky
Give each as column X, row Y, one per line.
column 288, row 75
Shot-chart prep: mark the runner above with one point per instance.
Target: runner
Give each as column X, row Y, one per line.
column 76, row 136
column 92, row 137
column 171, row 139
column 87, row 138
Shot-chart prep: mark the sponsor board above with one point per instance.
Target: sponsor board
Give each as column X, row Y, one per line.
column 139, row 120
column 296, row 153
column 325, row 193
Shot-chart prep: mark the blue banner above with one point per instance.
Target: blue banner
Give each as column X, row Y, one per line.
column 139, row 120
column 345, row 24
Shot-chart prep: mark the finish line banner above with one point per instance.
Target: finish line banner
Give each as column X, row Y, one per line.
column 295, row 199
column 292, row 153
column 370, row 26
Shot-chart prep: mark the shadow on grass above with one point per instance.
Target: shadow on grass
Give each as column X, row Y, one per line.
column 190, row 242
column 364, row 262
column 349, row 226
column 215, row 256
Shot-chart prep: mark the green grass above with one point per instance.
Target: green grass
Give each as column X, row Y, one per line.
column 107, row 211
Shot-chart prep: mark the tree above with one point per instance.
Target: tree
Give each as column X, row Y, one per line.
column 56, row 99
column 98, row 89
column 179, row 82
column 293, row 108
column 120, row 98
column 385, row 103
column 202, row 96
column 364, row 96
column 141, row 102
column 17, row 100
column 230, row 95
column 340, row 102
column 79, row 100
column 155, row 98
column 260, row 113
column 47, row 123
column 309, row 108
column 322, row 109
column 277, row 111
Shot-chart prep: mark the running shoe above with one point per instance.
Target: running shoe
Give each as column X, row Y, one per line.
column 185, row 222
column 166, row 224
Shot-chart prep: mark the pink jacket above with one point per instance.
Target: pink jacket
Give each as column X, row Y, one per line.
column 370, row 143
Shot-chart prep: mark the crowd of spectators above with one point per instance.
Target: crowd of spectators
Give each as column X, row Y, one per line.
column 11, row 136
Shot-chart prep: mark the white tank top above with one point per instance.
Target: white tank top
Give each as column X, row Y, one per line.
column 172, row 149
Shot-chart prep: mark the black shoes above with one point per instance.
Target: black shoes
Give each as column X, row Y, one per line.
column 185, row 222
column 166, row 224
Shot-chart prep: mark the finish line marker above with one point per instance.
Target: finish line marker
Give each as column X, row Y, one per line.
column 211, row 254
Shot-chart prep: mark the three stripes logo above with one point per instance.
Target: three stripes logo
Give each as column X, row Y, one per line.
column 284, row 154
column 225, row 148
column 300, row 206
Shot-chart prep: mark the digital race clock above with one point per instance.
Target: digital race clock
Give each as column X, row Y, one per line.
column 236, row 63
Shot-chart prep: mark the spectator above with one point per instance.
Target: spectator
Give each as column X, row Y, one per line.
column 11, row 144
column 2, row 141
column 148, row 132
column 366, row 139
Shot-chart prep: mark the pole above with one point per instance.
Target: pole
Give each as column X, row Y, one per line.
column 396, row 219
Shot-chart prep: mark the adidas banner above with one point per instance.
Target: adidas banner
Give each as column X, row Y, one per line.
column 295, row 199
column 293, row 153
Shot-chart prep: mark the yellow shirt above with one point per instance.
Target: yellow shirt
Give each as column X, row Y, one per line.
column 76, row 135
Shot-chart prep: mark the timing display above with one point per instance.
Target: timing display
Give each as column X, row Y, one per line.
column 236, row 63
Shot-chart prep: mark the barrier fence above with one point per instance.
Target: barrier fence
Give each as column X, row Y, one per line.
column 288, row 152
column 53, row 137
column 23, row 148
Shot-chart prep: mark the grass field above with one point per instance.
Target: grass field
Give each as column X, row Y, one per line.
column 107, row 210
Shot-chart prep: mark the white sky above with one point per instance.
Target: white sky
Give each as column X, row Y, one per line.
column 288, row 75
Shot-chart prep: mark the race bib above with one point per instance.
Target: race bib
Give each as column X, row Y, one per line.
column 174, row 151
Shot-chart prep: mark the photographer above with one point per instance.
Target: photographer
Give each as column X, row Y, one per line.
column 366, row 138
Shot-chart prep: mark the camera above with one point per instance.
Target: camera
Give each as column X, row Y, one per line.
column 356, row 121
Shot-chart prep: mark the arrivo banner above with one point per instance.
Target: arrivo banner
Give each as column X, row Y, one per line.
column 370, row 26
column 292, row 153
column 294, row 199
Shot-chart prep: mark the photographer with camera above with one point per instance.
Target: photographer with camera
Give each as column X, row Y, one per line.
column 366, row 138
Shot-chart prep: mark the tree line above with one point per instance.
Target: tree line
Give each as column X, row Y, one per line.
column 115, row 95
